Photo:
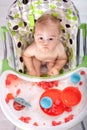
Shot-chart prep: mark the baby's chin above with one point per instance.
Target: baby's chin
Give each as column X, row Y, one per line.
column 45, row 49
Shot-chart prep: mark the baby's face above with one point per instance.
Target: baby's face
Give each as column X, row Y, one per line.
column 46, row 37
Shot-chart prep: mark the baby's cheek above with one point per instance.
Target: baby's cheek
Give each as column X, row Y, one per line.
column 53, row 45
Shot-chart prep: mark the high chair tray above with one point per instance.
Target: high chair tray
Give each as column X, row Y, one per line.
column 20, row 100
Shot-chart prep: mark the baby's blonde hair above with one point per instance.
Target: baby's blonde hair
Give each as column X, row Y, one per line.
column 46, row 18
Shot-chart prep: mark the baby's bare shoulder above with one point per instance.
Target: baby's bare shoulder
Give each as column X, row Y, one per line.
column 31, row 46
column 60, row 46
column 30, row 50
column 61, row 50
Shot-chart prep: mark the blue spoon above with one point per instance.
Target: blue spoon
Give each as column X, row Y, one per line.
column 22, row 102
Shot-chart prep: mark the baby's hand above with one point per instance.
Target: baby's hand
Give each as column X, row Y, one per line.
column 53, row 71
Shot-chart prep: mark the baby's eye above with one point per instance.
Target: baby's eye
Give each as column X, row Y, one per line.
column 40, row 38
column 50, row 39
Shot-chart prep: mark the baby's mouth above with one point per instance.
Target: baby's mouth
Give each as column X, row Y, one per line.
column 45, row 46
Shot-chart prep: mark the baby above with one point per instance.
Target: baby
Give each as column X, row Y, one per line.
column 46, row 48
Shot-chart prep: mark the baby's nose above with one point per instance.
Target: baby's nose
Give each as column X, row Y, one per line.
column 45, row 42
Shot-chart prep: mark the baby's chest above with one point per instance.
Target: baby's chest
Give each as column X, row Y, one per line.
column 46, row 57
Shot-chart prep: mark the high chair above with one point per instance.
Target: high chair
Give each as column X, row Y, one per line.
column 47, row 102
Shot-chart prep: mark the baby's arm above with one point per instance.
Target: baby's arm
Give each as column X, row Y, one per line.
column 59, row 63
column 28, row 60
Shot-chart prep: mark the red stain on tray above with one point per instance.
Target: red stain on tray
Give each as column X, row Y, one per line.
column 9, row 97
column 35, row 124
column 68, row 109
column 25, row 119
column 55, row 123
column 80, row 83
column 11, row 79
column 69, row 118
column 47, row 85
column 18, row 92
column 82, row 72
